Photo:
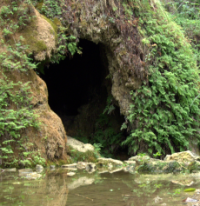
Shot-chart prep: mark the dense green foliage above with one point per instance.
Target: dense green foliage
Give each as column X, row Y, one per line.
column 165, row 109
column 13, row 120
column 15, row 17
column 16, row 112
column 65, row 44
column 186, row 14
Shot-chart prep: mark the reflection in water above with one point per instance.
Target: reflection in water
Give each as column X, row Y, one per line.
column 55, row 188
column 51, row 190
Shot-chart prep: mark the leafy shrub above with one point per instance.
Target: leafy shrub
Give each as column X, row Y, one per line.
column 13, row 121
column 165, row 109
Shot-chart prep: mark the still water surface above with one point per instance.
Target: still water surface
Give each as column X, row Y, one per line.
column 55, row 188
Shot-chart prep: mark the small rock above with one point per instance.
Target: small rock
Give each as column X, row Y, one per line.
column 52, row 167
column 110, row 166
column 10, row 170
column 71, row 174
column 70, row 168
column 116, row 170
column 130, row 169
column 157, row 199
column 39, row 167
column 130, row 162
column 81, row 165
column 90, row 167
column 79, row 146
column 70, row 165
column 105, row 161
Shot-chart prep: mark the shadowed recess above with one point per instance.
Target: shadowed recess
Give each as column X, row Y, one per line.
column 72, row 82
column 79, row 92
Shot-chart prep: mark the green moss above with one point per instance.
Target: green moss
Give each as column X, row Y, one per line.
column 41, row 45
column 39, row 5
column 57, row 22
column 52, row 23
column 30, row 38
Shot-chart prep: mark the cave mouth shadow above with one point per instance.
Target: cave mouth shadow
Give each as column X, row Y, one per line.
column 73, row 81
column 78, row 90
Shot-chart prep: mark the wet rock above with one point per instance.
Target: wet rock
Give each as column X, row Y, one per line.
column 91, row 167
column 186, row 157
column 69, row 165
column 159, row 167
column 130, row 169
column 70, row 174
column 81, row 165
column 71, row 168
column 130, row 162
column 102, row 171
column 110, row 166
column 116, row 170
column 157, row 199
column 101, row 162
column 139, row 158
column 79, row 146
column 175, row 163
column 184, row 182
column 52, row 167
column 39, row 167
column 10, row 170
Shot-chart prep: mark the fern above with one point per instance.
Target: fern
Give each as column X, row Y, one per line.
column 163, row 108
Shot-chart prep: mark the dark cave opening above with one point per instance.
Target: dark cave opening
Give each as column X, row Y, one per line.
column 71, row 83
column 78, row 92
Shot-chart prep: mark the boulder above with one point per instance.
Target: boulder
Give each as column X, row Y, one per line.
column 81, row 165
column 70, row 174
column 186, row 157
column 91, row 167
column 178, row 162
column 10, row 170
column 101, row 162
column 39, row 168
column 79, row 146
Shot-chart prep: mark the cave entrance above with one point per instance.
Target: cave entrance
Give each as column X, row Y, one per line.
column 79, row 93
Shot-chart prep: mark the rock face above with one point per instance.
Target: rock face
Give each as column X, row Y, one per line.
column 49, row 140
column 51, row 137
column 95, row 21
